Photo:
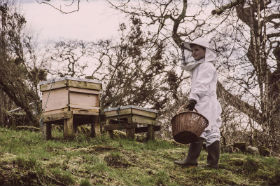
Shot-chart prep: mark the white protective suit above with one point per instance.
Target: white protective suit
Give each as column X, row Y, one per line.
column 203, row 90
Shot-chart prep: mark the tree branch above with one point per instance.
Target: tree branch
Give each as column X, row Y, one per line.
column 244, row 107
column 232, row 4
column 60, row 9
column 272, row 16
column 273, row 35
column 177, row 22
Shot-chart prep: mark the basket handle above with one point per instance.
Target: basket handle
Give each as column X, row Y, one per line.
column 193, row 109
column 182, row 108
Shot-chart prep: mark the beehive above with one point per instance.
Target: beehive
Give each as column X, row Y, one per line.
column 134, row 113
column 132, row 118
column 67, row 94
column 72, row 102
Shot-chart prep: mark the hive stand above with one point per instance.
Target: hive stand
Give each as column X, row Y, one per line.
column 70, row 102
column 132, row 118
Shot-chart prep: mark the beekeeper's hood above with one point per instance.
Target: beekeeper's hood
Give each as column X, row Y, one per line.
column 210, row 54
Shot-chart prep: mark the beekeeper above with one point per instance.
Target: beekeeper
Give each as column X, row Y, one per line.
column 203, row 98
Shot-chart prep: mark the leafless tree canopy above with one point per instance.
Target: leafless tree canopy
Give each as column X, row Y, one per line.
column 142, row 67
column 246, row 34
column 136, row 69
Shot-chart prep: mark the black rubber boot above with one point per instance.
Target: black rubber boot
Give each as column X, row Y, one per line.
column 193, row 154
column 213, row 155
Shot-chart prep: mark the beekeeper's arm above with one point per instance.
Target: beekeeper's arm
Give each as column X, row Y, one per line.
column 201, row 86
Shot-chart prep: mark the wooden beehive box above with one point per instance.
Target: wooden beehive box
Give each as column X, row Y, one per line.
column 134, row 113
column 70, row 94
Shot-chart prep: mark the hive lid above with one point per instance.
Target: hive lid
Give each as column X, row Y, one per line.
column 129, row 107
column 69, row 78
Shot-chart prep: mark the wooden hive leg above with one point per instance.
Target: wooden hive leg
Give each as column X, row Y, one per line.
column 110, row 132
column 97, row 126
column 92, row 129
column 75, row 126
column 47, row 131
column 68, row 131
column 101, row 124
column 130, row 133
column 150, row 133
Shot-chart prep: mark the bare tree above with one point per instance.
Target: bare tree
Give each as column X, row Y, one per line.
column 140, row 70
column 17, row 79
column 259, row 46
column 68, row 58
column 258, row 50
column 63, row 6
column 135, row 69
column 247, row 37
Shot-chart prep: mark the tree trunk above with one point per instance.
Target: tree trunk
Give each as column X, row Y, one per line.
column 2, row 107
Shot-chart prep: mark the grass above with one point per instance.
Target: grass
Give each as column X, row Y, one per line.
column 27, row 159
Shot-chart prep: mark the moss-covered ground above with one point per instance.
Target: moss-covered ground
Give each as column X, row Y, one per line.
column 27, row 159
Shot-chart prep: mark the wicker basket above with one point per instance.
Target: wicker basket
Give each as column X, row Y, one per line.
column 188, row 126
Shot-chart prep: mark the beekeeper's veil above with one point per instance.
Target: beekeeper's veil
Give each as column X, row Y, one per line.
column 190, row 64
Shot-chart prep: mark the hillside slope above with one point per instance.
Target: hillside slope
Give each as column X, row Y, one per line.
column 27, row 159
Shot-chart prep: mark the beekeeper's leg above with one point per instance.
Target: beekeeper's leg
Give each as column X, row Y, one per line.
column 213, row 147
column 193, row 154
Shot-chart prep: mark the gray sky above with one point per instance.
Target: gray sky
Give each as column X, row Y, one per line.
column 95, row 20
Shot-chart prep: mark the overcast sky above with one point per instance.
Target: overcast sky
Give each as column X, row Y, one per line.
column 95, row 20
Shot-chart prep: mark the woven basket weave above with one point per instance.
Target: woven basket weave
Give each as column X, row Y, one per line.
column 188, row 126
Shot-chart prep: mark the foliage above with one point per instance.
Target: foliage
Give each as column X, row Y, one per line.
column 19, row 75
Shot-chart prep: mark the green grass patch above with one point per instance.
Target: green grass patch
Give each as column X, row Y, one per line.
column 27, row 158
column 62, row 176
column 26, row 163
column 85, row 182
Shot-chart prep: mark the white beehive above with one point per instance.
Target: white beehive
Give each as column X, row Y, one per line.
column 67, row 94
